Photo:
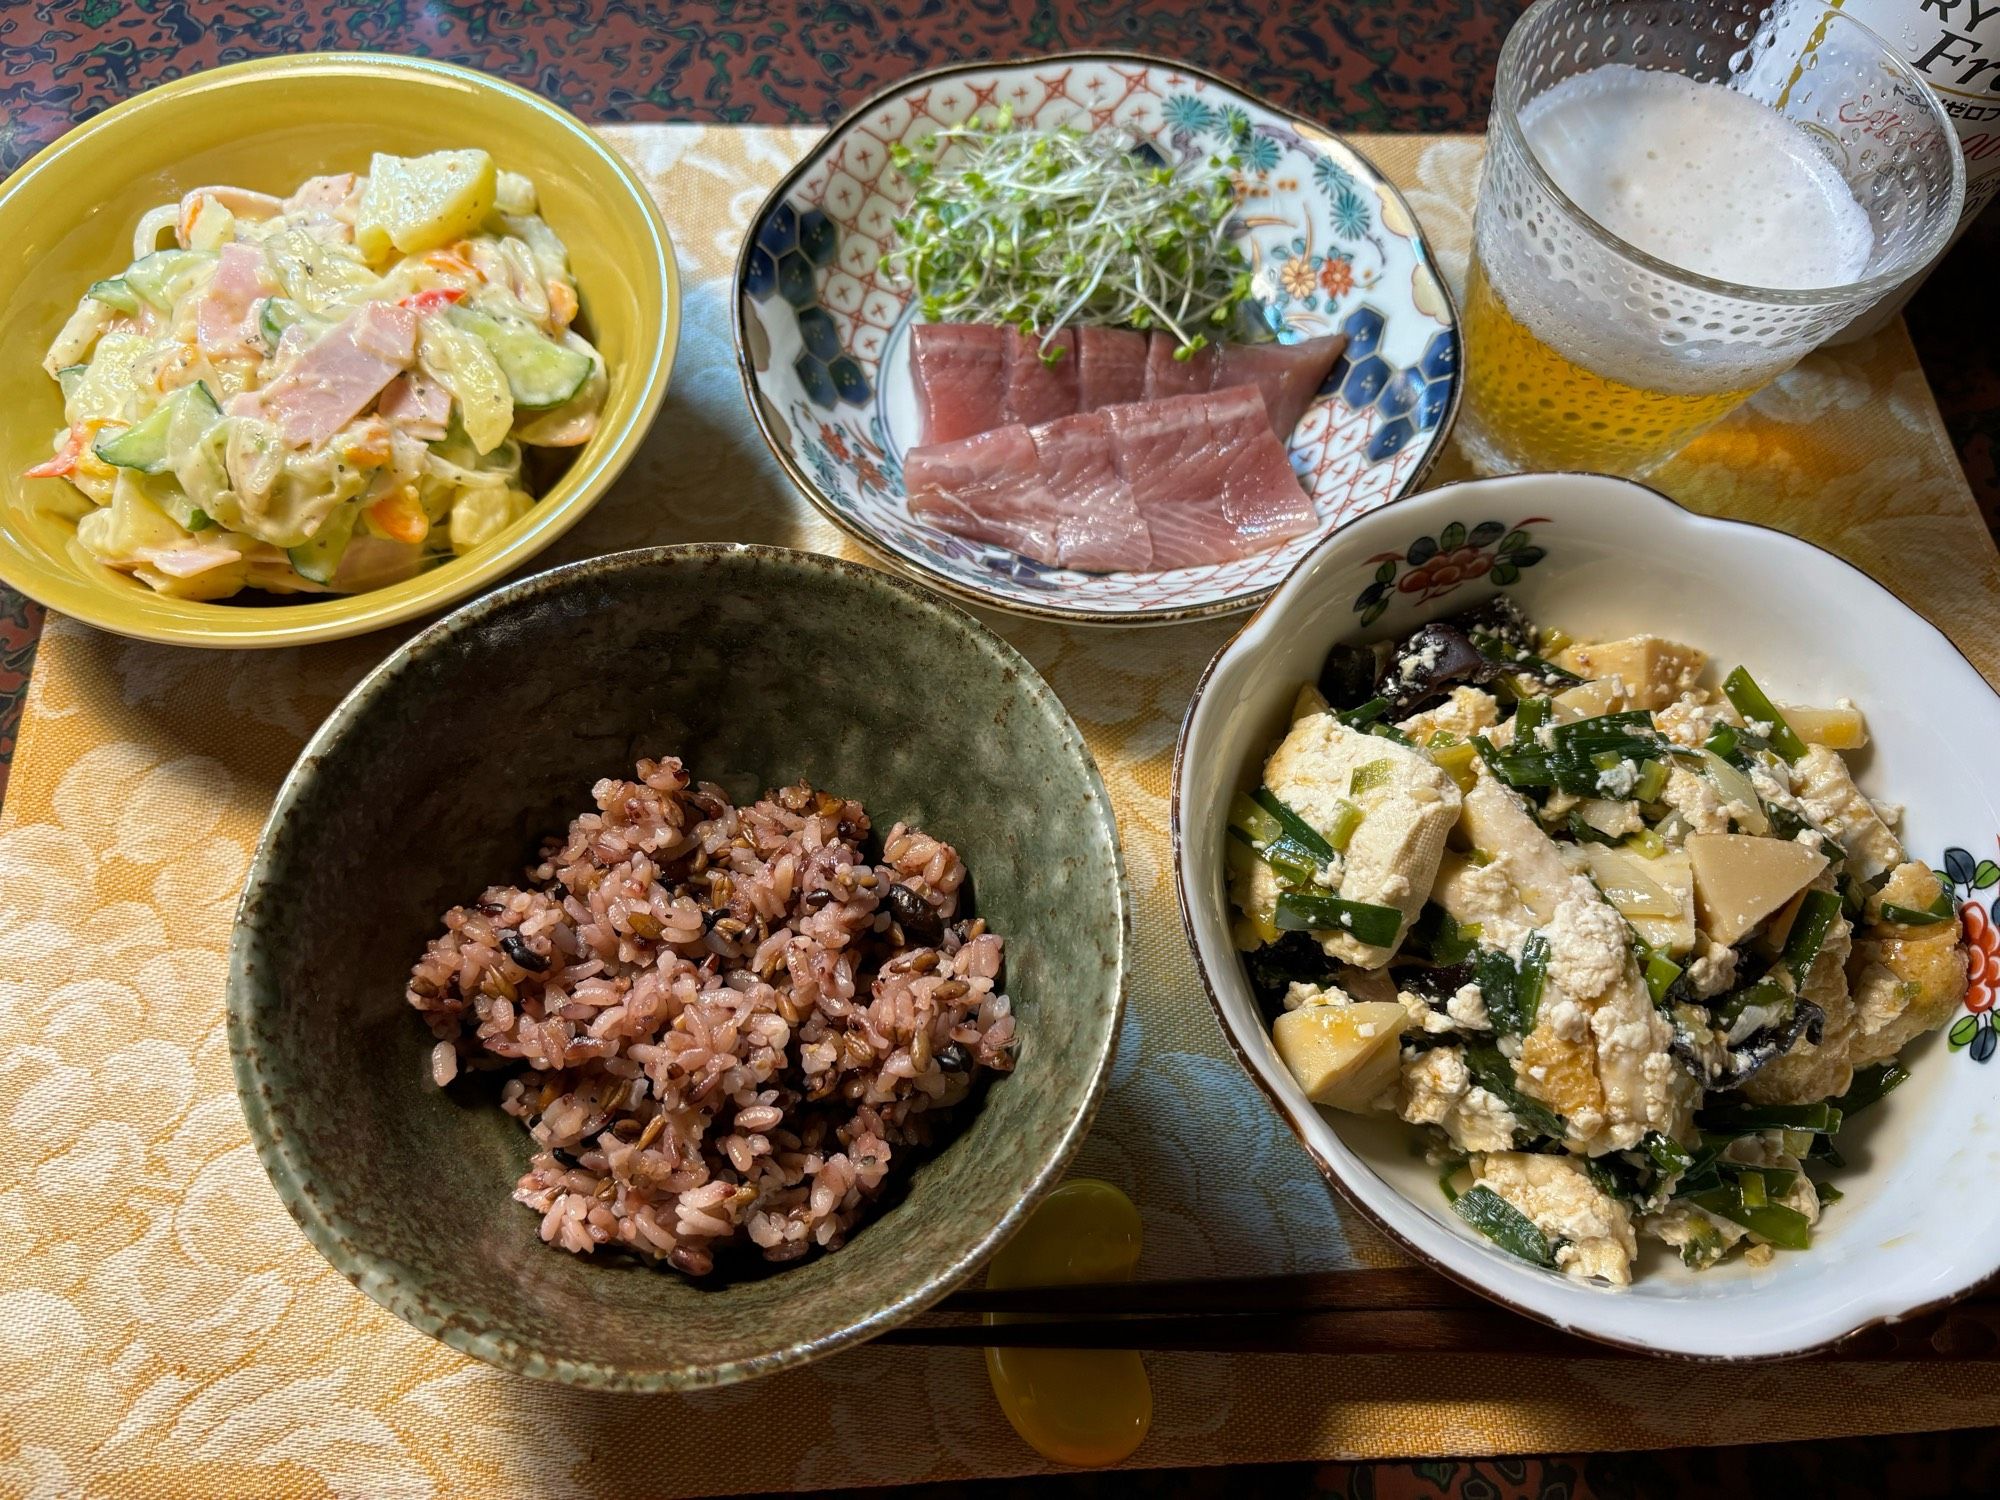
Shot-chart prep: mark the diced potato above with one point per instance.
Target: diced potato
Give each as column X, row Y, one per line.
column 1739, row 879
column 1309, row 701
column 1344, row 1056
column 1835, row 728
column 1653, row 672
column 484, row 513
column 417, row 203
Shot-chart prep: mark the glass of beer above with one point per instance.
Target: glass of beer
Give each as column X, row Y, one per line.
column 1680, row 201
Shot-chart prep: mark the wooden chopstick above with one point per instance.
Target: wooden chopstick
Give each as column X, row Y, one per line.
column 1970, row 1331
column 1385, row 1288
column 1382, row 1310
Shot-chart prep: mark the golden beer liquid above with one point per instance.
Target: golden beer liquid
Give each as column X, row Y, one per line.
column 1537, row 409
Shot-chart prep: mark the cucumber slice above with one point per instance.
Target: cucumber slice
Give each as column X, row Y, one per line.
column 159, row 276
column 114, row 292
column 274, row 317
column 165, row 491
column 69, row 377
column 143, row 445
column 540, row 372
column 319, row 559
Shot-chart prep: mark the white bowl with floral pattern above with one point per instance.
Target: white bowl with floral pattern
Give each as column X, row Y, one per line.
column 822, row 335
column 1919, row 1223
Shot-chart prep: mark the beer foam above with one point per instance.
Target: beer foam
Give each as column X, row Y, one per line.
column 1697, row 175
column 1700, row 176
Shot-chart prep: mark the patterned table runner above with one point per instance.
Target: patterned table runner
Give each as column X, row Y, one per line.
column 167, row 1329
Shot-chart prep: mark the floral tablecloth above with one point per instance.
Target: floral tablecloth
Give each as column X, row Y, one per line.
column 165, row 1329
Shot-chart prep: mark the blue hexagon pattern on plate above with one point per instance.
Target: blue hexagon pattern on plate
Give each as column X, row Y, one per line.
column 786, row 255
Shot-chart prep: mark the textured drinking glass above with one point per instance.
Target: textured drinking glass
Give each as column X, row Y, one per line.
column 1584, row 351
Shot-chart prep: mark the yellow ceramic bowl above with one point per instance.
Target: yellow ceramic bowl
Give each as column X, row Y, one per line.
column 66, row 219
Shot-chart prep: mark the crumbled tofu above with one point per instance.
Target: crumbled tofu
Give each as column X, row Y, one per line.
column 1495, row 822
column 1434, row 1082
column 1302, row 993
column 1712, row 969
column 1827, row 792
column 1696, row 800
column 1592, row 1231
column 1437, row 1089
column 1567, row 1021
column 1691, row 718
column 1483, row 894
column 1392, row 858
column 1468, row 1008
column 1618, row 780
column 1468, row 711
column 1588, row 949
column 1422, row 1015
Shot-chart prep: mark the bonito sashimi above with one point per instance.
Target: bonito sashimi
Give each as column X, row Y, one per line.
column 1174, row 483
column 974, row 377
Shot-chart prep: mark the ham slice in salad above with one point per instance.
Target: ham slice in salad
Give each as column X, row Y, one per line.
column 334, row 381
column 222, row 318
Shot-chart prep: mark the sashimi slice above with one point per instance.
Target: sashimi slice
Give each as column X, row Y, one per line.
column 1167, row 376
column 960, row 370
column 1208, row 476
column 1038, row 389
column 987, row 487
column 1110, row 367
column 1288, row 375
column 1101, row 530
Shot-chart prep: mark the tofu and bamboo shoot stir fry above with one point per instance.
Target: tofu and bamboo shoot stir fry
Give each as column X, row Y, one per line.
column 324, row 392
column 1629, row 948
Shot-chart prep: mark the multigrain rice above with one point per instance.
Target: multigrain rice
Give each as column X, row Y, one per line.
column 728, row 1023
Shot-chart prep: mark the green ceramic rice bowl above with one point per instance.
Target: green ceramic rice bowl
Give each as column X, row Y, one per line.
column 758, row 667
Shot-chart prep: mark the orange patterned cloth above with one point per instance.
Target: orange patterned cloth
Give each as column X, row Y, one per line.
column 168, row 1331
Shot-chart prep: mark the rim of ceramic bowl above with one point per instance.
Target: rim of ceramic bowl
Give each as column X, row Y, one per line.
column 937, row 578
column 648, row 371
column 1335, row 1177
column 375, row 1277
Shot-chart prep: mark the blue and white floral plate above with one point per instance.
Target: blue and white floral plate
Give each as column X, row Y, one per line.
column 822, row 333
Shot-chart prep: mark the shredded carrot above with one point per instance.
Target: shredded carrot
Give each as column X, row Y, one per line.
column 450, row 262
column 65, row 459
column 369, row 447
column 562, row 303
column 400, row 516
column 431, row 301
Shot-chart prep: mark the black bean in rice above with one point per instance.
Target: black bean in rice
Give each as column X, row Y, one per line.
column 726, row 1021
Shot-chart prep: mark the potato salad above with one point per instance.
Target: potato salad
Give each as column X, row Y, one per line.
column 1628, row 947
column 324, row 392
